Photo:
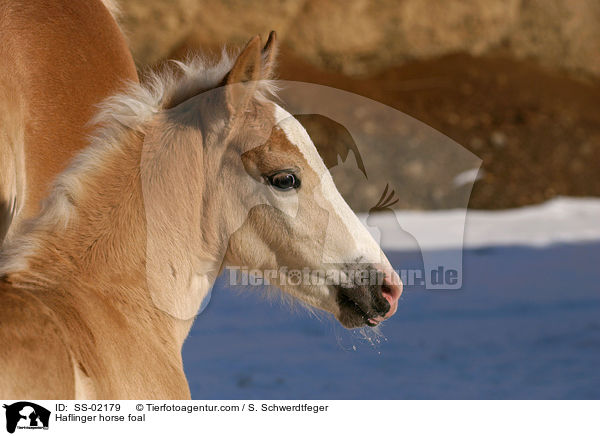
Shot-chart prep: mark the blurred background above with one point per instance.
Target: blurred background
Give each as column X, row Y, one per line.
column 517, row 83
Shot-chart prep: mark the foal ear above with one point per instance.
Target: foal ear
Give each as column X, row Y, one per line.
column 269, row 53
column 241, row 81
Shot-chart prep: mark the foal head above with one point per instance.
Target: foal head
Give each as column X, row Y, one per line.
column 231, row 179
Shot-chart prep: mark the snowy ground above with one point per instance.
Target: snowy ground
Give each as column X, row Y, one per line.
column 526, row 324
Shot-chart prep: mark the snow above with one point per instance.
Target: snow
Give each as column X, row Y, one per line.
column 526, row 323
column 561, row 220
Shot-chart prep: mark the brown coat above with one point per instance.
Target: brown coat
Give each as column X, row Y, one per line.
column 59, row 59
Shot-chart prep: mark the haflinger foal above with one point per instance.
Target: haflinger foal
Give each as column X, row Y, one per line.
column 196, row 171
column 59, row 59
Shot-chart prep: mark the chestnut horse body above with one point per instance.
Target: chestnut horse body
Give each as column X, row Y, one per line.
column 60, row 59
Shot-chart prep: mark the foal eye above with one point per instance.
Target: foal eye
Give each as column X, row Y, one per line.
column 284, row 181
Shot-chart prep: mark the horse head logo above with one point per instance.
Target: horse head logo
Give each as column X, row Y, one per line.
column 29, row 415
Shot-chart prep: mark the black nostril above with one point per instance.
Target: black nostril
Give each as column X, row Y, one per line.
column 381, row 304
column 386, row 290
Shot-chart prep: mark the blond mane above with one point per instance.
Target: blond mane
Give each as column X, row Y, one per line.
column 113, row 7
column 120, row 115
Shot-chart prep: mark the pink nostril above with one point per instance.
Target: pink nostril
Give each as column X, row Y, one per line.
column 391, row 290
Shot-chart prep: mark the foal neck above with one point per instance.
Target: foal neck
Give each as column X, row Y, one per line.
column 89, row 243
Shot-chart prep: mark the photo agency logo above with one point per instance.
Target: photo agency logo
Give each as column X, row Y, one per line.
column 321, row 192
column 24, row 415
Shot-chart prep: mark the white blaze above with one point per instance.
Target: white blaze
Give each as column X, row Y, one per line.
column 338, row 248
